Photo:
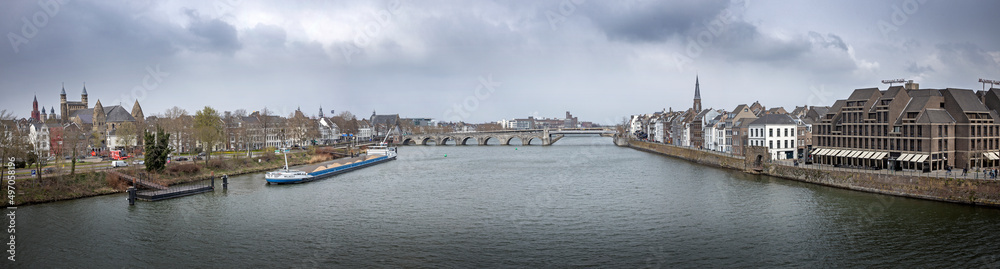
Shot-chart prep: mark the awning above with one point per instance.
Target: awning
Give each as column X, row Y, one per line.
column 833, row 152
column 819, row 152
column 991, row 155
column 844, row 153
column 868, row 155
column 921, row 158
column 904, row 157
column 857, row 154
column 852, row 154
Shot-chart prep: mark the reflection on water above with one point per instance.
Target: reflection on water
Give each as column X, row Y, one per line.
column 580, row 202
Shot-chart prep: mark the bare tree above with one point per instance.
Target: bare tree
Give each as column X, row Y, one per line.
column 266, row 124
column 347, row 122
column 303, row 129
column 74, row 142
column 488, row 127
column 240, row 113
column 127, row 135
column 173, row 123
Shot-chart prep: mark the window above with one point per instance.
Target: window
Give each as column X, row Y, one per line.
column 786, row 132
column 770, row 132
column 786, row 143
column 770, row 144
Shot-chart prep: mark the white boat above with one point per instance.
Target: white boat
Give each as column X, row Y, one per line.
column 376, row 155
column 286, row 175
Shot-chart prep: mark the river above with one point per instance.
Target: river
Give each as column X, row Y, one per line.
column 581, row 202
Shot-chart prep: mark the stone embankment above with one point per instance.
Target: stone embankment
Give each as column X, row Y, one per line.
column 755, row 160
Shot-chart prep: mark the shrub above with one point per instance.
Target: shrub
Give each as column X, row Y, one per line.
column 217, row 164
column 188, row 168
column 114, row 181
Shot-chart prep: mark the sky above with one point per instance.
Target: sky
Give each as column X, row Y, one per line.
column 482, row 61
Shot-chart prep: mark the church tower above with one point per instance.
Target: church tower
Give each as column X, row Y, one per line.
column 63, row 109
column 321, row 111
column 83, row 97
column 140, row 119
column 99, row 117
column 34, row 110
column 697, row 96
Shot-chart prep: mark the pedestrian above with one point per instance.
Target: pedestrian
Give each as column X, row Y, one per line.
column 965, row 171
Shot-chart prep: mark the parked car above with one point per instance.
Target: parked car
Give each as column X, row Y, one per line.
column 139, row 162
column 181, row 159
column 201, row 154
column 198, row 158
column 118, row 164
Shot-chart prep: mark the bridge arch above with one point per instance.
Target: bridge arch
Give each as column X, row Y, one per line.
column 423, row 141
column 407, row 141
column 464, row 140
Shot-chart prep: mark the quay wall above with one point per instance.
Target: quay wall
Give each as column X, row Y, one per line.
column 984, row 192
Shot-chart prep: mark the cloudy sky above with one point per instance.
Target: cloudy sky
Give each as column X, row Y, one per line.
column 479, row 61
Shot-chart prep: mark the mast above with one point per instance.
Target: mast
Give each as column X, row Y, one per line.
column 286, row 159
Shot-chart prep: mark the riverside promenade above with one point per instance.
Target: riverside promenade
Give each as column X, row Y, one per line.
column 953, row 187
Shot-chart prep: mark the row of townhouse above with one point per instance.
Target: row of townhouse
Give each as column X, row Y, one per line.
column 901, row 127
column 787, row 135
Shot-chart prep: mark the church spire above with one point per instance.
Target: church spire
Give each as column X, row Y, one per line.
column 84, row 88
column 697, row 95
column 697, row 88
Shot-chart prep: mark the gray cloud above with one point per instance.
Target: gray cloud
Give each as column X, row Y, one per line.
column 429, row 56
column 213, row 34
column 652, row 21
column 918, row 69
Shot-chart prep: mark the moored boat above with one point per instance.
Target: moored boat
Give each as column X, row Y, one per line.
column 375, row 155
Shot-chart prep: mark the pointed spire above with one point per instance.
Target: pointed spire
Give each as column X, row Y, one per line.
column 697, row 88
column 36, row 100
column 84, row 88
column 43, row 110
column 52, row 110
column 63, row 89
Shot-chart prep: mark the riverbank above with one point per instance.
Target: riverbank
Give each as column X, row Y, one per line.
column 96, row 183
column 966, row 191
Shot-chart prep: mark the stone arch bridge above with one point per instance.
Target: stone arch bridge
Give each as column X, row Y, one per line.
column 542, row 137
